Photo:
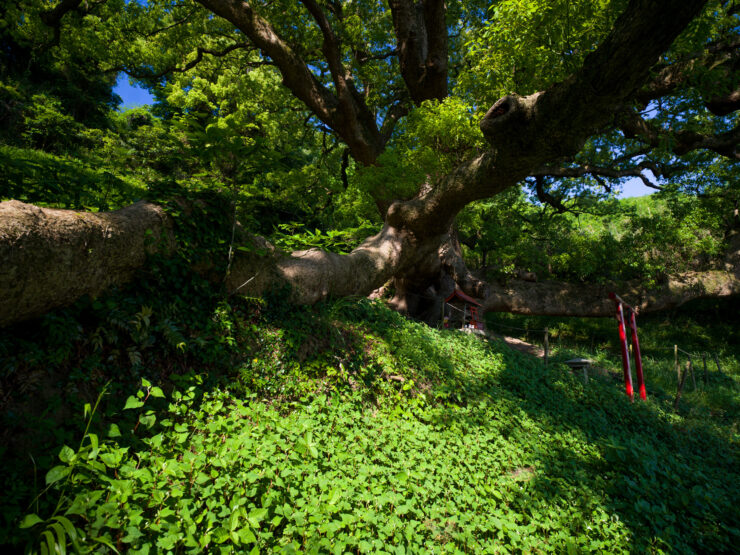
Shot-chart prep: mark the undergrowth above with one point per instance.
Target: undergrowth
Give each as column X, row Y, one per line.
column 246, row 425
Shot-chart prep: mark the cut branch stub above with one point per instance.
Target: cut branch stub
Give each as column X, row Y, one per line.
column 497, row 115
column 509, row 122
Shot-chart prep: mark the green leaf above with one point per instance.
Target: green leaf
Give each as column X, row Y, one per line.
column 68, row 526
column 56, row 474
column 61, row 538
column 133, row 403
column 156, row 392
column 50, row 541
column 105, row 541
column 148, row 420
column 256, row 516
column 29, row 521
column 220, row 535
column 66, row 455
column 246, row 535
column 93, row 446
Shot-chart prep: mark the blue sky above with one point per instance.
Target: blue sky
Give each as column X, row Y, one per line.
column 133, row 95
column 635, row 188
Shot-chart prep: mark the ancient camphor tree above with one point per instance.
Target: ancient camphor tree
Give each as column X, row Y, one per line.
column 359, row 68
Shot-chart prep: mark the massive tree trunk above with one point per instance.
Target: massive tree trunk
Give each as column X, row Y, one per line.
column 51, row 257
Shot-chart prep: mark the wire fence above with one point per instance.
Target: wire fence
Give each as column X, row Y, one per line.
column 704, row 356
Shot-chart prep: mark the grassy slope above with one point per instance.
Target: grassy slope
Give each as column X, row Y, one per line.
column 710, row 328
column 346, row 427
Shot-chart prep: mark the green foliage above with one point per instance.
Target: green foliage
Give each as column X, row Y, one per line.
column 292, row 237
column 430, row 142
column 647, row 238
column 525, row 45
column 237, row 425
column 38, row 177
column 79, row 467
column 347, row 427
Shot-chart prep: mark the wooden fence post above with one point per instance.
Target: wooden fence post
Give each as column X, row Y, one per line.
column 716, row 361
column 680, row 386
column 706, row 375
column 675, row 363
column 547, row 345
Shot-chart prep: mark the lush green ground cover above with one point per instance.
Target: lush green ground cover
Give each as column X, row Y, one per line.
column 347, row 428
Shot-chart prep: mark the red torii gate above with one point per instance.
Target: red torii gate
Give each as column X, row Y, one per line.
column 621, row 305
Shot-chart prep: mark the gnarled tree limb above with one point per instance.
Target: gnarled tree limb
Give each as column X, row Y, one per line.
column 53, row 257
column 525, row 133
column 421, row 32
column 347, row 116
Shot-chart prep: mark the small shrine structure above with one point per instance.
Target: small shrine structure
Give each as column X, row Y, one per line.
column 461, row 310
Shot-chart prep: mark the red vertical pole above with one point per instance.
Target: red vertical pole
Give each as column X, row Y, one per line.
column 638, row 357
column 625, row 352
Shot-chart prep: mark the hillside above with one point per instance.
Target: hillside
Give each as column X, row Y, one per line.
column 348, row 428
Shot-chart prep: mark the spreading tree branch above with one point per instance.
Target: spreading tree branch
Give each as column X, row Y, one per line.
column 528, row 132
column 421, row 32
column 680, row 142
column 200, row 52
column 600, row 172
column 723, row 57
column 346, row 115
column 354, row 114
column 547, row 198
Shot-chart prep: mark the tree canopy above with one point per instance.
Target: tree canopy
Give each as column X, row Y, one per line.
column 483, row 136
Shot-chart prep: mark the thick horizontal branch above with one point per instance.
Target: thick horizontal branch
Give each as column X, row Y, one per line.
column 53, row 257
column 554, row 298
column 589, row 300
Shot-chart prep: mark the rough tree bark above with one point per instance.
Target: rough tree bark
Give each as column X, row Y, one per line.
column 51, row 257
column 421, row 31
